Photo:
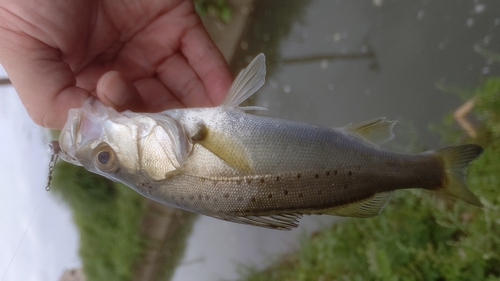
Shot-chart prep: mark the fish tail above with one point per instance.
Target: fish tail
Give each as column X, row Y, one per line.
column 455, row 160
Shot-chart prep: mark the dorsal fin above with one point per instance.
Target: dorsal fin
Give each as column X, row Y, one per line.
column 247, row 82
column 376, row 131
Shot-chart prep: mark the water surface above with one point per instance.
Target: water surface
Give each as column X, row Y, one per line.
column 334, row 63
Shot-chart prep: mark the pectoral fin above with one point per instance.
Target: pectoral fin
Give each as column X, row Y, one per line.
column 376, row 131
column 365, row 208
column 230, row 151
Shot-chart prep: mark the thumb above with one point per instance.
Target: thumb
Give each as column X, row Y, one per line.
column 115, row 90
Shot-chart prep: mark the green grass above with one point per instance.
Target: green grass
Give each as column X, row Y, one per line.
column 108, row 217
column 418, row 236
column 216, row 8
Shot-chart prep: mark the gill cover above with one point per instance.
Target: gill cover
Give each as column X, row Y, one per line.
column 122, row 144
column 164, row 148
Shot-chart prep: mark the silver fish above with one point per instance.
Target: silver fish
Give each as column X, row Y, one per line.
column 251, row 169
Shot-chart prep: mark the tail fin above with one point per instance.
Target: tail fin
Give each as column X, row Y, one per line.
column 455, row 160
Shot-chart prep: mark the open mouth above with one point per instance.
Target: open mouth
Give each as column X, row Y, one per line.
column 84, row 125
column 68, row 140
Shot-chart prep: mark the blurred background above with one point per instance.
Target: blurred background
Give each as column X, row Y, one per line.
column 331, row 63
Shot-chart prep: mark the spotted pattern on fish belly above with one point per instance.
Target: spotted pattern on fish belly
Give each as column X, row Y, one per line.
column 301, row 192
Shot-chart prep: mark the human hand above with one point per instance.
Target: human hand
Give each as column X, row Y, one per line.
column 147, row 55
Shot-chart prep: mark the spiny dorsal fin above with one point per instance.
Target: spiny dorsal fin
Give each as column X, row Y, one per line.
column 281, row 221
column 247, row 82
column 365, row 208
column 377, row 131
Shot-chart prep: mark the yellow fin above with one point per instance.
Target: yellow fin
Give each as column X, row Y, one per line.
column 456, row 159
column 365, row 208
column 224, row 147
column 377, row 131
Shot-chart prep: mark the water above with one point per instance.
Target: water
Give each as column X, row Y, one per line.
column 38, row 239
column 338, row 62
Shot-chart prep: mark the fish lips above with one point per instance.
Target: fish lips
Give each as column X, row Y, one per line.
column 69, row 136
column 81, row 127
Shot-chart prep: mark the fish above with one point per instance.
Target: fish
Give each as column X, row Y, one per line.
column 233, row 165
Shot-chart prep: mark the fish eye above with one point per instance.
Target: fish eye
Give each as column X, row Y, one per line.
column 105, row 159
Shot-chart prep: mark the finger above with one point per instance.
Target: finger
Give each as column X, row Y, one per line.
column 114, row 90
column 183, row 82
column 208, row 63
column 155, row 96
column 44, row 83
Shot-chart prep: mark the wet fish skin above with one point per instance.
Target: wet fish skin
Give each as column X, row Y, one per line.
column 252, row 169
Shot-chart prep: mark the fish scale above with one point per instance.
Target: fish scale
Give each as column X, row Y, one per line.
column 252, row 169
column 306, row 190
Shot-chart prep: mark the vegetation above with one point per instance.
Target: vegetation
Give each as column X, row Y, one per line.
column 108, row 217
column 418, row 236
column 216, row 8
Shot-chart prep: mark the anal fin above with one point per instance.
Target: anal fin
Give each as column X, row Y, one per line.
column 280, row 222
column 365, row 208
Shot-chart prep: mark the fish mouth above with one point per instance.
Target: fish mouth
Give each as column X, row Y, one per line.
column 84, row 126
column 68, row 140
